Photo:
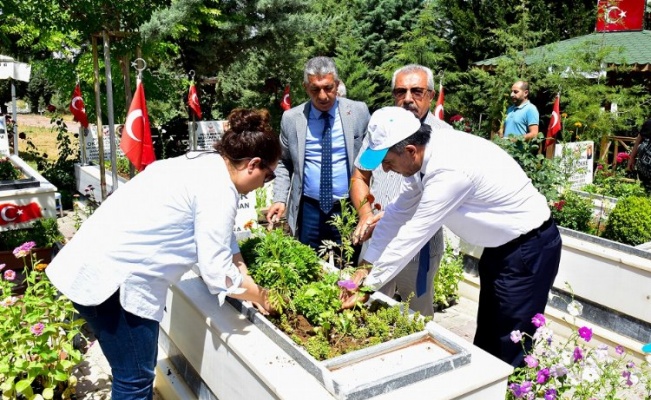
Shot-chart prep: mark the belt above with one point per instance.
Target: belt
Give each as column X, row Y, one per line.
column 315, row 202
column 532, row 233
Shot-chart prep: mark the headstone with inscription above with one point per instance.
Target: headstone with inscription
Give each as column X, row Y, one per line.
column 208, row 132
column 577, row 157
column 89, row 144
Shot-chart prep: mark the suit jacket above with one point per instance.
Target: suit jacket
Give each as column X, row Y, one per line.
column 288, row 185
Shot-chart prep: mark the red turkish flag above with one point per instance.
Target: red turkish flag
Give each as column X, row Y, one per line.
column 77, row 107
column 286, row 102
column 438, row 111
column 555, row 120
column 136, row 136
column 620, row 15
column 15, row 214
column 193, row 100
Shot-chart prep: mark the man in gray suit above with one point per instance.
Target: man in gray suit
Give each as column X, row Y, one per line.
column 320, row 140
column 412, row 87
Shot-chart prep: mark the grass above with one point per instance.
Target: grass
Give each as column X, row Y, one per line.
column 43, row 137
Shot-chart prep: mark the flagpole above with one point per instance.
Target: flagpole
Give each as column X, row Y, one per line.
column 98, row 114
column 550, row 143
column 109, row 107
column 82, row 138
column 193, row 132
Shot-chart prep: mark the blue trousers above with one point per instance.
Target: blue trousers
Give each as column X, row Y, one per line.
column 314, row 226
column 130, row 345
column 515, row 280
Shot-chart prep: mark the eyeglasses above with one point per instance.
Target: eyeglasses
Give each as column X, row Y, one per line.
column 270, row 176
column 416, row 93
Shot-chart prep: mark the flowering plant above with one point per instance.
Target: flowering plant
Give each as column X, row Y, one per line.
column 37, row 330
column 7, row 170
column 569, row 369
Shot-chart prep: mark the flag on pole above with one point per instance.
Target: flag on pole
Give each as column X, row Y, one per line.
column 193, row 100
column 555, row 120
column 16, row 214
column 136, row 140
column 286, row 103
column 77, row 107
column 438, row 111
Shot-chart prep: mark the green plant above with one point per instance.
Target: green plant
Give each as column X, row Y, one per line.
column 8, row 171
column 345, row 224
column 630, row 221
column 545, row 174
column 570, row 369
column 44, row 232
column 37, row 329
column 573, row 211
column 446, row 281
column 609, row 181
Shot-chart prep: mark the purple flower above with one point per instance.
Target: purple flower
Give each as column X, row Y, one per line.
column 348, row 284
column 520, row 390
column 516, row 336
column 9, row 275
column 550, row 394
column 37, row 329
column 538, row 320
column 531, row 361
column 619, row 350
column 578, row 354
column 558, row 371
column 2, row 266
column 585, row 333
column 24, row 249
column 542, row 376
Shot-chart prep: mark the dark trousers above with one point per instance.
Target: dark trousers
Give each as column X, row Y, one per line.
column 130, row 344
column 515, row 280
column 314, row 225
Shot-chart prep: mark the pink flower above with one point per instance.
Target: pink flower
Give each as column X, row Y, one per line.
column 538, row 320
column 585, row 333
column 9, row 301
column 24, row 249
column 516, row 336
column 37, row 329
column 542, row 376
column 578, row 354
column 619, row 350
column 347, row 284
column 9, row 275
column 532, row 362
column 2, row 266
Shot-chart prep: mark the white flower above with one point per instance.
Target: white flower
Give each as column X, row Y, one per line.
column 575, row 308
column 543, row 333
column 590, row 374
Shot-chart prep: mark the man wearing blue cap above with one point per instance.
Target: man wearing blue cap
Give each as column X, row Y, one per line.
column 480, row 193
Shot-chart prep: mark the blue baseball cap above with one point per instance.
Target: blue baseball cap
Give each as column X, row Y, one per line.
column 387, row 126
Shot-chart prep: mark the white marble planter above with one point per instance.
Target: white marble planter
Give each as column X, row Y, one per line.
column 220, row 353
column 35, row 191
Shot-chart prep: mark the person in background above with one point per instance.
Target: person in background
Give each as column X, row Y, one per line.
column 319, row 139
column 482, row 195
column 412, row 87
column 341, row 89
column 522, row 118
column 640, row 159
column 177, row 213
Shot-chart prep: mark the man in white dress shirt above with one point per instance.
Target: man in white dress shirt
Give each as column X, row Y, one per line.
column 478, row 191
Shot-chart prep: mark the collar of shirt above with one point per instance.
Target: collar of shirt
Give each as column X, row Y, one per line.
column 316, row 114
column 524, row 103
column 426, row 157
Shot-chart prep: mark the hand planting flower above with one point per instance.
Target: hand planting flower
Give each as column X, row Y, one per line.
column 568, row 369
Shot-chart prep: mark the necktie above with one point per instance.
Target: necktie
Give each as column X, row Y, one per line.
column 423, row 267
column 325, row 190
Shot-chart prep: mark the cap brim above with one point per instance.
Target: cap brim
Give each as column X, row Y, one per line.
column 371, row 159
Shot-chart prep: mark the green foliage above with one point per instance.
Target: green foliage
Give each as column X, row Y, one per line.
column 612, row 182
column 319, row 300
column 545, row 174
column 630, row 221
column 8, row 171
column 44, row 231
column 446, row 281
column 573, row 211
column 37, row 355
column 345, row 223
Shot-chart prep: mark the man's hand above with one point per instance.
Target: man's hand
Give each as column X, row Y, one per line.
column 263, row 306
column 276, row 211
column 365, row 227
column 349, row 298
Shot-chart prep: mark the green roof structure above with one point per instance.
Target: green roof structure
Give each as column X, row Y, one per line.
column 632, row 48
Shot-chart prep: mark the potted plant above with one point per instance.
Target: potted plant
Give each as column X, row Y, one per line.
column 37, row 329
column 44, row 233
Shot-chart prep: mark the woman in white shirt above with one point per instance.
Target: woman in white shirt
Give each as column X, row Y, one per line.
column 177, row 213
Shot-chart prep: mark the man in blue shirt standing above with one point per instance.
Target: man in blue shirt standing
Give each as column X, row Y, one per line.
column 522, row 117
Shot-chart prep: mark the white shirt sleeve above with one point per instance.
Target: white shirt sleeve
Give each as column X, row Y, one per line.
column 216, row 243
column 412, row 220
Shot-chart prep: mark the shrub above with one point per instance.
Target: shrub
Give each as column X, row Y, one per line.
column 44, row 232
column 573, row 211
column 630, row 221
column 446, row 281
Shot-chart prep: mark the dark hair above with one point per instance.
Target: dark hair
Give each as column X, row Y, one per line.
column 418, row 138
column 249, row 135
